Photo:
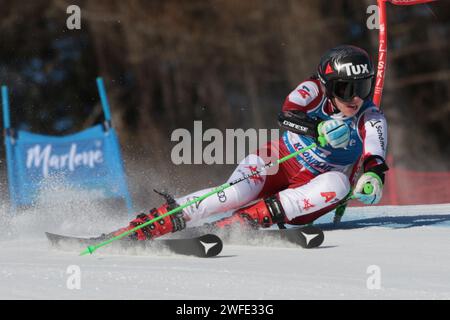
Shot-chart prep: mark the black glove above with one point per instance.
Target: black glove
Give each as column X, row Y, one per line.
column 298, row 122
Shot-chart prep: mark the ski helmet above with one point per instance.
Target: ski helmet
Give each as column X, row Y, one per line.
column 346, row 72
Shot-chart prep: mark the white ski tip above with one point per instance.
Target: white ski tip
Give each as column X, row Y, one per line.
column 208, row 246
column 309, row 237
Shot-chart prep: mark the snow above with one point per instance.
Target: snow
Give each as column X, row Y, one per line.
column 409, row 246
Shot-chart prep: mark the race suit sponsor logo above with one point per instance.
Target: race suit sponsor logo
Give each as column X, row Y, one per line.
column 314, row 160
column 378, row 125
column 197, row 203
column 381, row 137
column 328, row 196
column 295, row 126
column 307, row 204
column 222, row 196
column 304, row 92
column 373, row 123
column 257, row 177
column 352, row 143
column 314, row 163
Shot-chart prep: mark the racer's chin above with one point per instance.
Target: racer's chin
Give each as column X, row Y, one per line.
column 349, row 109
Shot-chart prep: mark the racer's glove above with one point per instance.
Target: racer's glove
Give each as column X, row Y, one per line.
column 336, row 133
column 369, row 188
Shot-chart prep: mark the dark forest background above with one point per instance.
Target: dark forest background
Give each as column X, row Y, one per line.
column 228, row 63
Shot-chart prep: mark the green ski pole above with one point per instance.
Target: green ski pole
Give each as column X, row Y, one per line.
column 91, row 249
column 340, row 209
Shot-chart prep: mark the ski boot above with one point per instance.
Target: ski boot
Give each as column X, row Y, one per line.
column 171, row 223
column 261, row 214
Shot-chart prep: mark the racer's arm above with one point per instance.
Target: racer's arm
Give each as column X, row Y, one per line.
column 372, row 128
column 296, row 117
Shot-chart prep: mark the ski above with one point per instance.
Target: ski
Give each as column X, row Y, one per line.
column 307, row 237
column 203, row 246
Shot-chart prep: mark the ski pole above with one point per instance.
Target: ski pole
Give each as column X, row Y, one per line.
column 340, row 209
column 91, row 249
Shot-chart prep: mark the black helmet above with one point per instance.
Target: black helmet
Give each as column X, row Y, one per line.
column 346, row 71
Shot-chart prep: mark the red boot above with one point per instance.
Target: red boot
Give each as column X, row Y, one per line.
column 171, row 223
column 263, row 213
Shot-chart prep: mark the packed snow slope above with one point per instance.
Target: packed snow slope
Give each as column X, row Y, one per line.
column 375, row 253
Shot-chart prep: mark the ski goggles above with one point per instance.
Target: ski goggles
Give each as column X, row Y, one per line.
column 346, row 90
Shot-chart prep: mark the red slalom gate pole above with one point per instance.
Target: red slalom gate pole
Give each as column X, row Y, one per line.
column 382, row 43
column 382, row 52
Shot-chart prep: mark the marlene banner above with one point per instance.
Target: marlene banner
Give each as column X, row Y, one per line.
column 89, row 159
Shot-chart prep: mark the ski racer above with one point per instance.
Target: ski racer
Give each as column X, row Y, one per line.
column 333, row 107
